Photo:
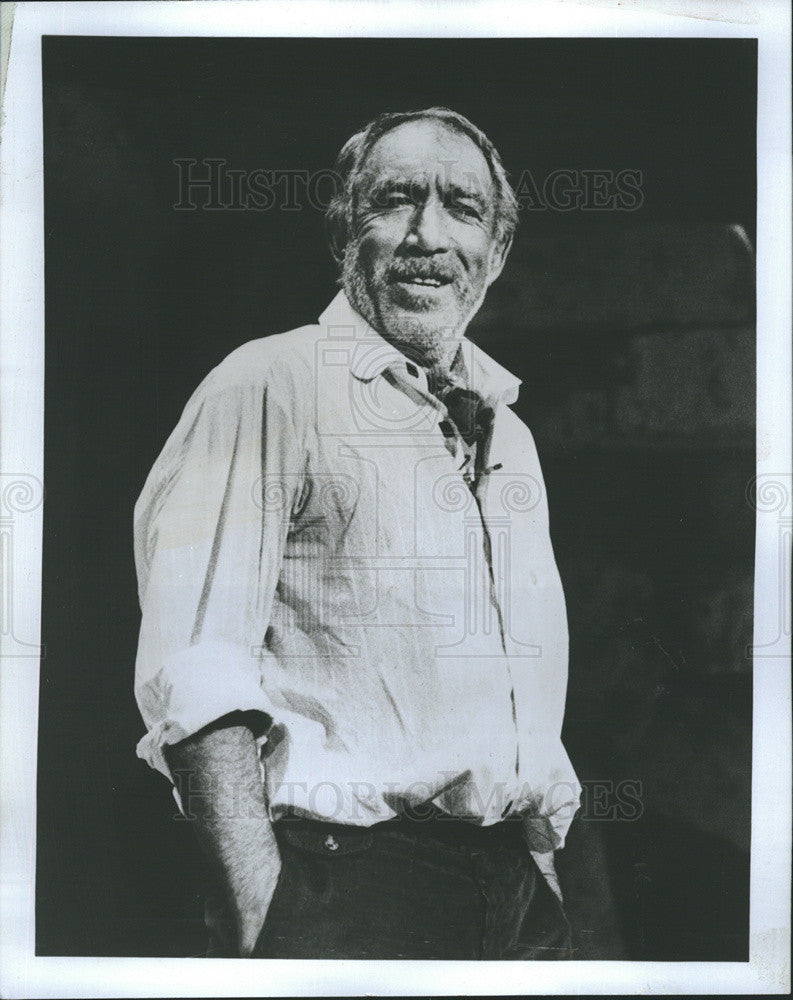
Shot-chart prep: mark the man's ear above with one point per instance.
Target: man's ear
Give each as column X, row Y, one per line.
column 498, row 257
column 337, row 237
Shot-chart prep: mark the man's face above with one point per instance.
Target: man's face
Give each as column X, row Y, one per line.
column 423, row 248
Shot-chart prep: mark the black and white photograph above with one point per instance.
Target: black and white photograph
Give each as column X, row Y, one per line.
column 411, row 507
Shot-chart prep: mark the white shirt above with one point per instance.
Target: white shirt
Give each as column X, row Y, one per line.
column 307, row 547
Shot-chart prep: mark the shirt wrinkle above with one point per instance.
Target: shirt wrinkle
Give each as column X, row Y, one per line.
column 216, row 543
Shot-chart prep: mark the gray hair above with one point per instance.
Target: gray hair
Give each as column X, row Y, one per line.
column 350, row 162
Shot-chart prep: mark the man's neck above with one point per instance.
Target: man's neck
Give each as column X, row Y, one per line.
column 443, row 361
column 451, row 371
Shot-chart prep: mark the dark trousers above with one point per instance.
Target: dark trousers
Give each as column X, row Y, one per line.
column 418, row 889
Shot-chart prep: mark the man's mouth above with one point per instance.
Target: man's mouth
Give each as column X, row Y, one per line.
column 422, row 281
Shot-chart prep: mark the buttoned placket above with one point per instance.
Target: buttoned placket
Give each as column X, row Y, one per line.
column 412, row 378
column 465, row 459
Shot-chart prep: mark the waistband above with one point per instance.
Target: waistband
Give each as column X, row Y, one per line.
column 422, row 823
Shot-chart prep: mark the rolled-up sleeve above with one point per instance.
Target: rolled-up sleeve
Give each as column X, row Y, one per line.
column 208, row 552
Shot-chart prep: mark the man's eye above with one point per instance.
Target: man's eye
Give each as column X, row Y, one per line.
column 389, row 198
column 395, row 198
column 464, row 208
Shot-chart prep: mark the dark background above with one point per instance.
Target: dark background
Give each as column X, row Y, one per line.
column 633, row 333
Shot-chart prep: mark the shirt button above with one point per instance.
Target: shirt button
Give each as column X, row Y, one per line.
column 331, row 844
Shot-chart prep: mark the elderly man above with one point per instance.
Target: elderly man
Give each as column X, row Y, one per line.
column 353, row 653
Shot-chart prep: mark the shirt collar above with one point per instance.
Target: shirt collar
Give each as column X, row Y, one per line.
column 373, row 354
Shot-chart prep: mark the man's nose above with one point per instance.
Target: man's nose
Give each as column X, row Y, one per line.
column 428, row 227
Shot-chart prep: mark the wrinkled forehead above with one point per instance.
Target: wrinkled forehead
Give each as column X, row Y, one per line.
column 427, row 151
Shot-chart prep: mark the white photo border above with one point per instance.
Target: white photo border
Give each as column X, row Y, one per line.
column 22, row 973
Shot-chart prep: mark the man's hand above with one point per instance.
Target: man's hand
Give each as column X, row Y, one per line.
column 224, row 796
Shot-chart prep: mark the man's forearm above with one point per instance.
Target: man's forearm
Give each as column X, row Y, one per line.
column 546, row 864
column 226, row 801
